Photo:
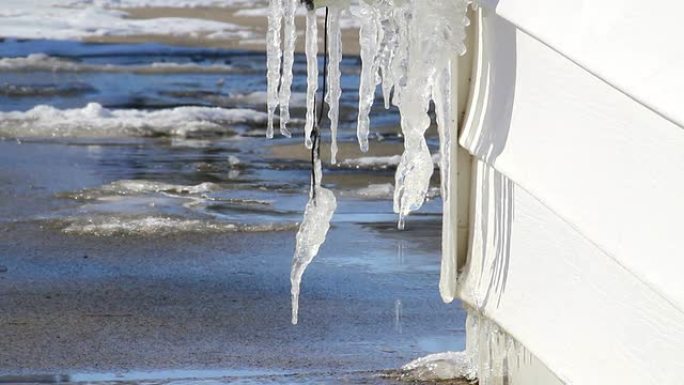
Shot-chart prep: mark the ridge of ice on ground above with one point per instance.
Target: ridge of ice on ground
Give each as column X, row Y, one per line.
column 43, row 62
column 156, row 225
column 438, row 367
column 95, row 120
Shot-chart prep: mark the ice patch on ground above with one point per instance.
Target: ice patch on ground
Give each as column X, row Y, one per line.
column 258, row 98
column 438, row 367
column 380, row 192
column 137, row 187
column 97, row 121
column 43, row 62
column 153, row 225
column 375, row 162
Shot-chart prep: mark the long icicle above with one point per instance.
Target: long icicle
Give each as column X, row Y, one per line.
column 274, row 54
column 290, row 36
column 317, row 214
column 332, row 97
column 368, row 41
column 444, row 99
column 312, row 74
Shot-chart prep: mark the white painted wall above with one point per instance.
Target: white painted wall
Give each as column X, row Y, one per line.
column 577, row 235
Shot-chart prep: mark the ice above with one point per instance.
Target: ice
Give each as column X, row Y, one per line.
column 443, row 101
column 290, row 39
column 408, row 47
column 43, row 62
column 332, row 97
column 437, row 367
column 107, row 226
column 273, row 56
column 368, row 41
column 491, row 356
column 310, row 237
column 312, row 74
column 94, row 120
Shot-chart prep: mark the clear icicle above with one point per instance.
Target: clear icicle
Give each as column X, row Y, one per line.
column 290, row 39
column 444, row 102
column 428, row 54
column 334, row 92
column 310, row 237
column 368, row 41
column 387, row 37
column 312, row 74
column 274, row 53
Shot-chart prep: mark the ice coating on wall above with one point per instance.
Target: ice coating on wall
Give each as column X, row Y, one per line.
column 492, row 357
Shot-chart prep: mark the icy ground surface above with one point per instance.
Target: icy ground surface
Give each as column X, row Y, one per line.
column 137, row 253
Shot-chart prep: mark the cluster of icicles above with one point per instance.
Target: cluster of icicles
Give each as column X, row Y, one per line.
column 407, row 47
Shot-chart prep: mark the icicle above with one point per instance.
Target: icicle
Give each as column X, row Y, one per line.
column 274, row 53
column 312, row 231
column 428, row 54
column 290, row 36
column 312, row 74
column 444, row 102
column 310, row 237
column 332, row 97
column 387, row 36
column 368, row 41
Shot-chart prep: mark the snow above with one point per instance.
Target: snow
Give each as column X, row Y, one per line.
column 96, row 120
column 162, row 3
column 53, row 19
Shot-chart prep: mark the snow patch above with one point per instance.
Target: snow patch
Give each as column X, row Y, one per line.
column 95, row 120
